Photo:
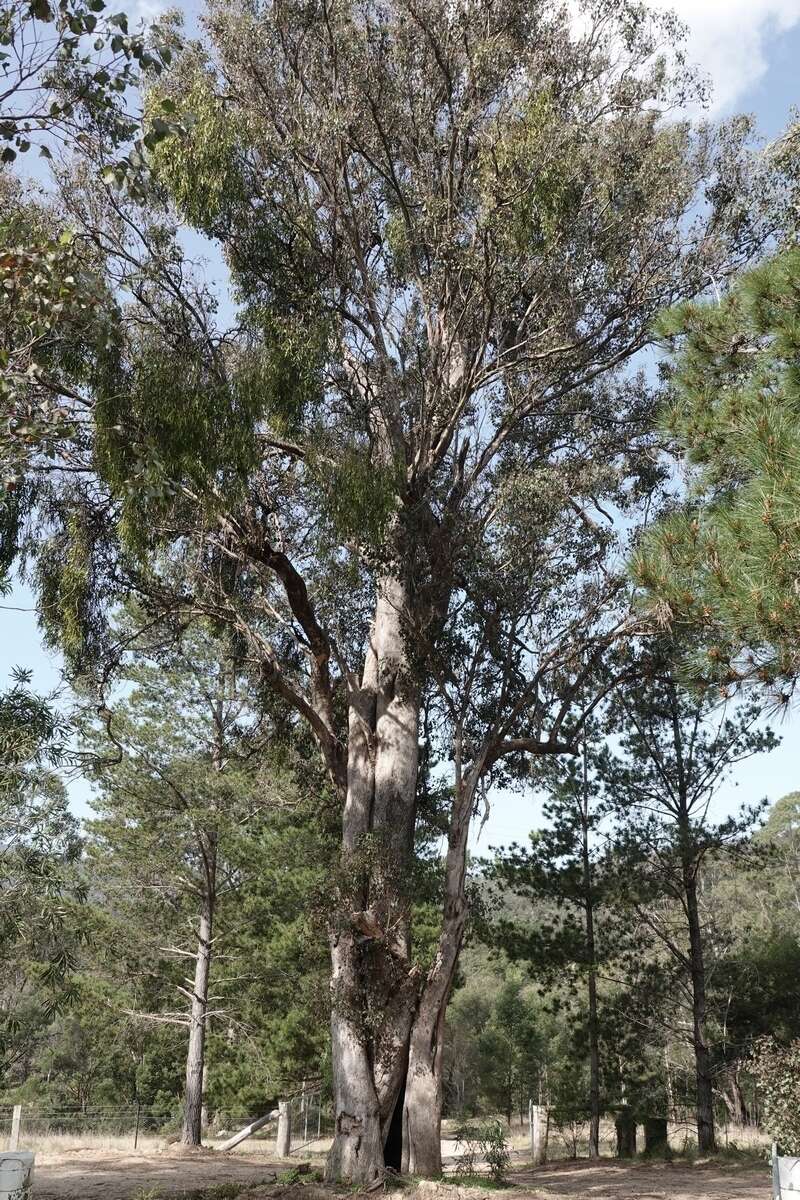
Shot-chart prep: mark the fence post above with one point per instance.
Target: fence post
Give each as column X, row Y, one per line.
column 16, row 1118
column 538, row 1143
column 283, row 1147
column 136, row 1128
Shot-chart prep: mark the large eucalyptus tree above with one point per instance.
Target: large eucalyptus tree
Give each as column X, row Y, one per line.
column 448, row 226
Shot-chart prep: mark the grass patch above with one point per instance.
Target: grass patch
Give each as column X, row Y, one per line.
column 299, row 1175
column 219, row 1191
column 482, row 1181
column 731, row 1155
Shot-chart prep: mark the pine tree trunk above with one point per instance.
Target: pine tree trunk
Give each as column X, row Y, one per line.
column 706, row 1140
column 626, row 1133
column 594, row 1070
column 195, row 1057
column 373, row 988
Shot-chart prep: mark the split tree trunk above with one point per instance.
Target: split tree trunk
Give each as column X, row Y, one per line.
column 195, row 1057
column 388, row 1036
column 373, row 989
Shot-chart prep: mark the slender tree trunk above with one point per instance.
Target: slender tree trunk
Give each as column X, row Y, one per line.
column 594, row 1065
column 671, row 1108
column 591, row 962
column 373, row 988
column 741, row 1114
column 195, row 1058
column 706, row 1140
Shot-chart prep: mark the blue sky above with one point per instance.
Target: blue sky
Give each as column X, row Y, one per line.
column 751, row 51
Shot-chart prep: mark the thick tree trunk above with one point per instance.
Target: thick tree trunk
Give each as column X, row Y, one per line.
column 356, row 1154
column 655, row 1135
column 706, row 1140
column 626, row 1133
column 195, row 1057
column 422, row 1110
column 373, row 987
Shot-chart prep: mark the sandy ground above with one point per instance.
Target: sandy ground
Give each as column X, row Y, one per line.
column 115, row 1175
column 610, row 1180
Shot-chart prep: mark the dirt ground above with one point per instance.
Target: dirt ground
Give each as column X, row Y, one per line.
column 114, row 1175
column 611, row 1180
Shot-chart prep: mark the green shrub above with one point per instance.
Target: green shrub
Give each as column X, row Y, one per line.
column 483, row 1143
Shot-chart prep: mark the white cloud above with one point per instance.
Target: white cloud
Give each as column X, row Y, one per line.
column 728, row 40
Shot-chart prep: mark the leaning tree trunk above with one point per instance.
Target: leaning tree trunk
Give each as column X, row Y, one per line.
column 706, row 1140
column 373, row 989
column 195, row 1057
column 422, row 1116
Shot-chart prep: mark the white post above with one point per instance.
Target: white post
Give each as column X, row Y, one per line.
column 16, row 1118
column 283, row 1146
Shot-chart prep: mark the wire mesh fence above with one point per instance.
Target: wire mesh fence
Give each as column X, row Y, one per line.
column 312, row 1121
column 132, row 1126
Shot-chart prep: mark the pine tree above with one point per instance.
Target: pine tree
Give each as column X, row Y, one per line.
column 725, row 562
column 673, row 749
column 567, row 867
column 176, row 788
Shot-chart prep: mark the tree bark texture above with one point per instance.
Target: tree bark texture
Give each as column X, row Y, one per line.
column 373, row 984
column 706, row 1140
column 422, row 1118
column 388, row 1036
column 195, row 1057
column 655, row 1135
column 591, row 962
column 626, row 1133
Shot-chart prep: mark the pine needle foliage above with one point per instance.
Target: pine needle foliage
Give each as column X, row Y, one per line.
column 728, row 560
